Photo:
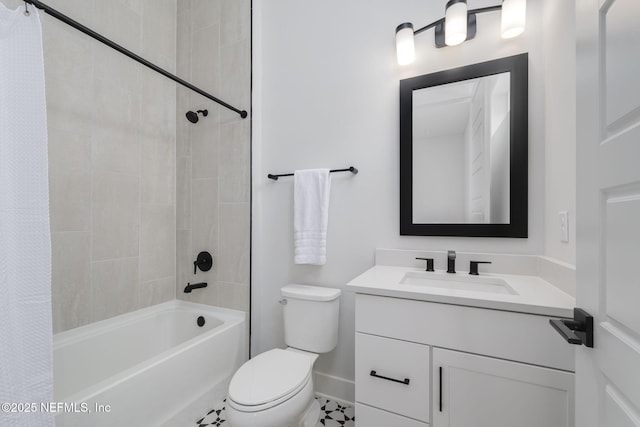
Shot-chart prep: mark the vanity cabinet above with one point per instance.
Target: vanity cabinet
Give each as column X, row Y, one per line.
column 450, row 365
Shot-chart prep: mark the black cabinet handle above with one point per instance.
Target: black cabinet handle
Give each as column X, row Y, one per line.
column 440, row 388
column 405, row 381
column 577, row 331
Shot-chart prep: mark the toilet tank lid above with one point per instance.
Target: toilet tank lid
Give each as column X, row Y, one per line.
column 313, row 293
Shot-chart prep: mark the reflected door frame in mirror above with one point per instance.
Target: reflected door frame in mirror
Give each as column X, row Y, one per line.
column 517, row 66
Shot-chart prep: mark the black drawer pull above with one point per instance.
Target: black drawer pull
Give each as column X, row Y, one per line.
column 405, row 381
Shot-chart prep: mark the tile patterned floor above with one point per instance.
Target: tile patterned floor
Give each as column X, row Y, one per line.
column 332, row 414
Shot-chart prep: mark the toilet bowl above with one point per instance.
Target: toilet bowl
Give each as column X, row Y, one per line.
column 275, row 388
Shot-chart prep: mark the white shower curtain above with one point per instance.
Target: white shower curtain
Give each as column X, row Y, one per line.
column 25, row 243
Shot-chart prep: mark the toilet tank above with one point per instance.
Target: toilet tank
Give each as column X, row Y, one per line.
column 311, row 317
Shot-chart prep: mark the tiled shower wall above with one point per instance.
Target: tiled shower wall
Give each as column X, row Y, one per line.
column 111, row 125
column 213, row 155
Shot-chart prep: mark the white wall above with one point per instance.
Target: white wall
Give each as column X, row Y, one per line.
column 325, row 94
column 560, row 119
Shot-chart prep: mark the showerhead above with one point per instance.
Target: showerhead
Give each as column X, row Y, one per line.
column 193, row 117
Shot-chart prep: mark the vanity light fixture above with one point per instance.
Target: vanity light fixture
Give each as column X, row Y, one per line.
column 455, row 22
column 458, row 25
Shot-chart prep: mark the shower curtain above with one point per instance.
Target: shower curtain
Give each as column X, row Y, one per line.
column 26, row 376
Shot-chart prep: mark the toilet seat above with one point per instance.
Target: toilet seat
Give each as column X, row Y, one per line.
column 269, row 379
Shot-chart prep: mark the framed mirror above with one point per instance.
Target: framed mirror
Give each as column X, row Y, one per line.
column 463, row 151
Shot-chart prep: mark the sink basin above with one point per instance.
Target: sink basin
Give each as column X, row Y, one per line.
column 460, row 282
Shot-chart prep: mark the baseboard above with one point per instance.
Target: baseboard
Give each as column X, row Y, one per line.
column 335, row 388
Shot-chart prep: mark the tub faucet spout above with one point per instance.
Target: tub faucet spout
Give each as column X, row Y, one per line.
column 191, row 287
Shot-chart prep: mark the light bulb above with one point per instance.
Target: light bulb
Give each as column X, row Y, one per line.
column 405, row 48
column 455, row 22
column 514, row 16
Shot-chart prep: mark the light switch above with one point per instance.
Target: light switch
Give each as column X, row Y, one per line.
column 564, row 226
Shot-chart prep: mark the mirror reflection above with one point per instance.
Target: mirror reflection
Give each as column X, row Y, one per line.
column 461, row 159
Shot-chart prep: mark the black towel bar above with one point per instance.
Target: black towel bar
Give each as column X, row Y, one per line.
column 349, row 169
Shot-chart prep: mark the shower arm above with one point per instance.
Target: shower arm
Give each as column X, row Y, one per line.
column 88, row 31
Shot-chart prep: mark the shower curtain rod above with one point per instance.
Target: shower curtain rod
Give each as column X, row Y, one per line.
column 50, row 11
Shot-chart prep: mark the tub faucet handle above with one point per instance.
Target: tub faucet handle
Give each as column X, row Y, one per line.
column 204, row 261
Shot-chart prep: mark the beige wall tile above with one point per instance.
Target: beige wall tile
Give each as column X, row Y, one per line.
column 205, row 13
column 68, row 105
column 115, row 149
column 234, row 243
column 235, row 71
column 70, row 280
column 205, row 147
column 183, row 126
column 184, row 260
column 183, row 193
column 115, row 212
column 114, row 287
column 158, row 183
column 158, row 95
column 67, row 52
column 204, row 215
column 116, row 69
column 234, row 296
column 235, row 21
column 159, row 33
column 69, row 180
column 79, row 10
column 183, row 42
column 235, row 152
column 114, row 107
column 205, row 64
column 157, row 242
column 157, row 291
column 118, row 22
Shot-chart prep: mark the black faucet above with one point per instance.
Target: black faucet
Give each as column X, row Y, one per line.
column 191, row 287
column 473, row 266
column 451, row 261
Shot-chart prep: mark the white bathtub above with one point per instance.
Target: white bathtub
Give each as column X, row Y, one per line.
column 146, row 365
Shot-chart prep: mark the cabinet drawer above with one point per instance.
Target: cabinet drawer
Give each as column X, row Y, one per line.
column 515, row 336
column 378, row 357
column 366, row 416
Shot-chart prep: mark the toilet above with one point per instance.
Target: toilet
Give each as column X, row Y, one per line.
column 275, row 388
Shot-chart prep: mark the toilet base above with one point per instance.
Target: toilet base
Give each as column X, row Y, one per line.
column 312, row 415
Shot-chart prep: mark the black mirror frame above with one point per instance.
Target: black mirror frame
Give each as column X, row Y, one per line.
column 519, row 129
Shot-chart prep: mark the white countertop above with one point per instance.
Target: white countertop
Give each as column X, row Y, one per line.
column 533, row 294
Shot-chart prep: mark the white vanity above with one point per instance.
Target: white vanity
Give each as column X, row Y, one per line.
column 437, row 349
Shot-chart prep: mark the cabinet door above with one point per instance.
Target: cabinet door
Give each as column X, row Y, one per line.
column 479, row 391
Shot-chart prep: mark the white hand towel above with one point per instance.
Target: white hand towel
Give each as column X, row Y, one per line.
column 311, row 215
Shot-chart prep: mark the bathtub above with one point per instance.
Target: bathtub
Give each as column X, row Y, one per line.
column 143, row 367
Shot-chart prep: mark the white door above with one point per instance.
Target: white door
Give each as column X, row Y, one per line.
column 608, row 210
column 472, row 390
